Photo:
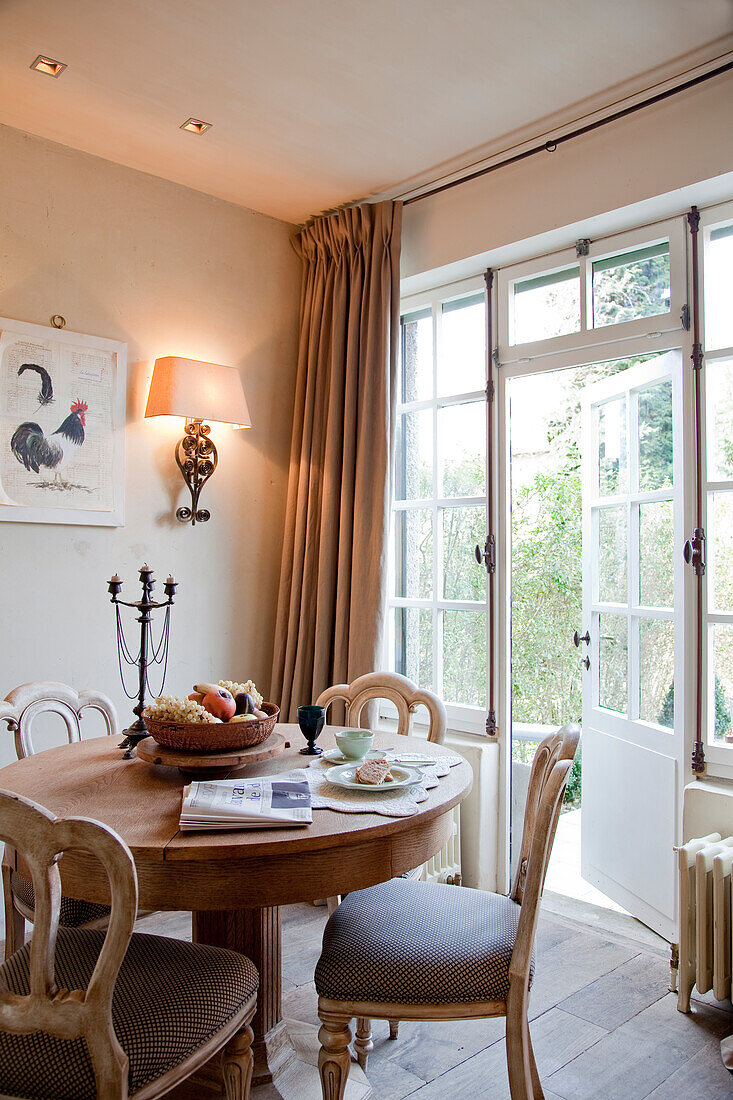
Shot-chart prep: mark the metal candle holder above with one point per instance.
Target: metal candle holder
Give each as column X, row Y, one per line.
column 146, row 655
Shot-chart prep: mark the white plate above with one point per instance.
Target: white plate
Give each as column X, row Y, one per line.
column 337, row 757
column 344, row 775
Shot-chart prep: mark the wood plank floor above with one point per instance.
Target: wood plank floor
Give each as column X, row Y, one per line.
column 604, row 1026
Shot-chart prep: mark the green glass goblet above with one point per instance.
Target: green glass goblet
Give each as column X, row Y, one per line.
column 311, row 720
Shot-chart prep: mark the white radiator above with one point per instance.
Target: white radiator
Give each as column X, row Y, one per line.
column 446, row 866
column 706, row 933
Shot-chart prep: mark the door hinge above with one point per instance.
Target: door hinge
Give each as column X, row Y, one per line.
column 685, row 317
column 495, row 357
column 694, row 551
column 490, row 390
column 491, row 727
column 582, row 247
column 488, row 554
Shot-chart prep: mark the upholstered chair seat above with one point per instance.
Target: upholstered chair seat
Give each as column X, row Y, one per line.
column 422, row 943
column 169, row 999
column 73, row 911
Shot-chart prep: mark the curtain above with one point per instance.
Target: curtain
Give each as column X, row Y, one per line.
column 332, row 581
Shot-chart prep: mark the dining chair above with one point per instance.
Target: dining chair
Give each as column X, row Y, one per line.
column 19, row 710
column 411, row 950
column 405, row 695
column 108, row 1014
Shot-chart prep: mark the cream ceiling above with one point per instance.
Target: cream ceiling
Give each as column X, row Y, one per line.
column 314, row 104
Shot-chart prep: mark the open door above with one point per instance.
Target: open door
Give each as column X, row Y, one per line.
column 632, row 641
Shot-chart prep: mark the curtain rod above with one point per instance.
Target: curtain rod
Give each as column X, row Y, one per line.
column 551, row 146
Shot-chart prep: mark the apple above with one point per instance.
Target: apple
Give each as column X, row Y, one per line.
column 220, row 703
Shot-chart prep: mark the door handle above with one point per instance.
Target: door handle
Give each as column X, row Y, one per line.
column 586, row 662
column 578, row 638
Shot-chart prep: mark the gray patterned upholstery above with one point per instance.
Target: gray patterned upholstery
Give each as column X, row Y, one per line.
column 409, row 942
column 73, row 912
column 169, row 998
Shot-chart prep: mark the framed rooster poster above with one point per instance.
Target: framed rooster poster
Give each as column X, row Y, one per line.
column 62, row 426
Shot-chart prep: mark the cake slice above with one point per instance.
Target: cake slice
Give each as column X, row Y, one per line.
column 373, row 772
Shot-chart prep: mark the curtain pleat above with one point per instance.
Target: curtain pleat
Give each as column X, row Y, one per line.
column 332, row 581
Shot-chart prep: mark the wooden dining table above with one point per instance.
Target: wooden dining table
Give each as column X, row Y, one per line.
column 233, row 882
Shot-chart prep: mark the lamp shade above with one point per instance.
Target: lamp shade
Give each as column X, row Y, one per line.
column 200, row 391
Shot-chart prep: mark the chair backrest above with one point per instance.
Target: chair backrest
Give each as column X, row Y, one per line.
column 405, row 695
column 547, row 783
column 70, row 1014
column 26, row 702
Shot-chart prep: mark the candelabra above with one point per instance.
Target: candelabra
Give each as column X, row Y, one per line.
column 148, row 654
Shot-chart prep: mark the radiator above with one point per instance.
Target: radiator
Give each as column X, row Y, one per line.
column 705, row 933
column 446, row 866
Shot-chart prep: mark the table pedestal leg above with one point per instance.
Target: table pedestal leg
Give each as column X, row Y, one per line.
column 256, row 934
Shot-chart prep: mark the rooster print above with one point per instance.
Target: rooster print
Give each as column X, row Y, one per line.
column 35, row 450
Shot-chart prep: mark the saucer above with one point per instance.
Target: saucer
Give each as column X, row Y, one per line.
column 335, row 756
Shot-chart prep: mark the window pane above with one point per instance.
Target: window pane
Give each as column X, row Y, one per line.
column 612, row 460
column 631, row 285
column 719, row 422
column 462, row 351
column 720, row 692
column 655, row 437
column 414, row 645
column 414, row 456
column 612, row 544
column 613, row 664
column 719, row 288
column 544, row 306
column 414, row 553
column 656, row 554
column 720, row 532
column 416, row 373
column 656, row 680
column 463, row 529
column 462, row 449
column 464, row 657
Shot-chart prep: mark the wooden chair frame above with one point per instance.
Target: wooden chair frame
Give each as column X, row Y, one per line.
column 19, row 709
column 548, row 780
column 87, row 1014
column 405, row 695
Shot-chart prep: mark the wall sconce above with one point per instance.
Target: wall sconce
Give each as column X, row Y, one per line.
column 181, row 387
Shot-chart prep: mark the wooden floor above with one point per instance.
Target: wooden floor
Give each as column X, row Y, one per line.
column 602, row 1021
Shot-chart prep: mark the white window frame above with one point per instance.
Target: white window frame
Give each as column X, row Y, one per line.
column 664, row 332
column 563, row 351
column 718, row 758
column 462, row 718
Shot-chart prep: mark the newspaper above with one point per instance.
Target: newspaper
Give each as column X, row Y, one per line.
column 267, row 801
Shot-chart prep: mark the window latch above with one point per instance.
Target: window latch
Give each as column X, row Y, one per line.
column 487, row 556
column 694, row 551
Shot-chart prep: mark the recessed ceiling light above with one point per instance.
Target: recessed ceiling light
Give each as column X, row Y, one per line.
column 196, row 126
column 48, row 66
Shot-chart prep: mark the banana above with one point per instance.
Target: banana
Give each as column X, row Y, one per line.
column 205, row 689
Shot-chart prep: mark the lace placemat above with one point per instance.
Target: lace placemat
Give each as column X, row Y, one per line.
column 402, row 802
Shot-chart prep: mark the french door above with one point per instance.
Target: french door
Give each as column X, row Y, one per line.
column 631, row 641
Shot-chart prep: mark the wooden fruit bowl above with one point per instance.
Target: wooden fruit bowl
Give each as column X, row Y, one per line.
column 213, row 736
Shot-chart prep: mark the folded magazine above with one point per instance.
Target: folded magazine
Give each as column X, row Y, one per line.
column 269, row 801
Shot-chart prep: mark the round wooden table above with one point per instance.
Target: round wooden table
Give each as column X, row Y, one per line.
column 233, row 882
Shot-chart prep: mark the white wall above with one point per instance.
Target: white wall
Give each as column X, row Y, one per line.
column 661, row 149
column 172, row 272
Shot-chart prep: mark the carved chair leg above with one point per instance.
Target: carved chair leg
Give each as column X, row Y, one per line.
column 363, row 1044
column 524, row 1081
column 237, row 1064
column 334, row 1058
column 537, row 1093
column 394, row 1028
column 14, row 921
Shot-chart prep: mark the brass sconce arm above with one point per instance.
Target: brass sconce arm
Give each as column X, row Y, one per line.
column 197, row 458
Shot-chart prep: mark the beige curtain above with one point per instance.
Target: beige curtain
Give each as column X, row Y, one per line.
column 332, row 580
